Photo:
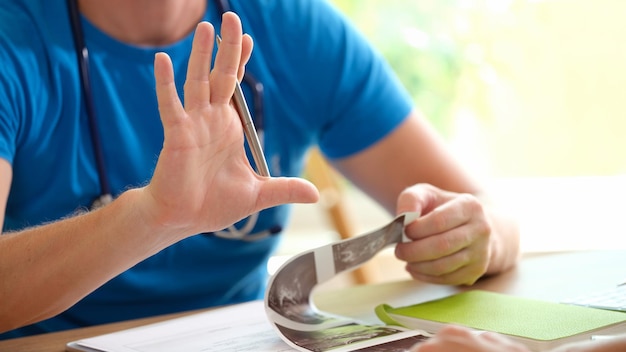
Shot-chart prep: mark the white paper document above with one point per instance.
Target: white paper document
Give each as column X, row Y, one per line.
column 286, row 320
column 241, row 327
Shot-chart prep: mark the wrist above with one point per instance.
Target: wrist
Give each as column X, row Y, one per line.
column 137, row 209
column 504, row 250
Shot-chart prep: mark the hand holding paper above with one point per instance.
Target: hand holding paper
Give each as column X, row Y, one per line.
column 450, row 240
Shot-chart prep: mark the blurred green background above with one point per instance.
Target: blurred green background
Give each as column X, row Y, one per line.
column 419, row 41
column 518, row 87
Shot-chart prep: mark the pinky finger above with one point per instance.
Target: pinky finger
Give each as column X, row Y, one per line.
column 246, row 51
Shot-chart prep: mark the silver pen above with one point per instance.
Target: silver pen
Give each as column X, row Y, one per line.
column 248, row 127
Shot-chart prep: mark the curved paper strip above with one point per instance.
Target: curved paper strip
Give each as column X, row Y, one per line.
column 290, row 308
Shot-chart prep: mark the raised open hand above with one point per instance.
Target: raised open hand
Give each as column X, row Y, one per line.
column 203, row 181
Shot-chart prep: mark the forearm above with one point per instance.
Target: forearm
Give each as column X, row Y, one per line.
column 47, row 269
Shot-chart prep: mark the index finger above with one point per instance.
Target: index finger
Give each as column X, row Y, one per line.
column 445, row 217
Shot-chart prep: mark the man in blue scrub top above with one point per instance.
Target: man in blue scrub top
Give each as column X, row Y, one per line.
column 177, row 171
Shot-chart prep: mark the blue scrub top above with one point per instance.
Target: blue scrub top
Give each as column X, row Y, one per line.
column 323, row 85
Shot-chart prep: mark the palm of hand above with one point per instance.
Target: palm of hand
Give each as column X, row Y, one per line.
column 203, row 181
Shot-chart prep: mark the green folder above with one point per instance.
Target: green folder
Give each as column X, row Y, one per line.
column 527, row 319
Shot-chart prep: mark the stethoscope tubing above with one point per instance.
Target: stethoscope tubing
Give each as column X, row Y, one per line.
column 83, row 64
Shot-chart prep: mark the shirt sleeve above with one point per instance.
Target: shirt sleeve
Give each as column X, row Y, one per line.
column 9, row 98
column 24, row 74
column 353, row 98
column 368, row 101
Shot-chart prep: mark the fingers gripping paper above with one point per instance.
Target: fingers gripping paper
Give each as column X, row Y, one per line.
column 290, row 309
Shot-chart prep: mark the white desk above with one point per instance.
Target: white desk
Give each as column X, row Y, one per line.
column 549, row 276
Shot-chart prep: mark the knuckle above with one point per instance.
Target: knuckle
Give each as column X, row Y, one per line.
column 439, row 267
column 471, row 204
column 440, row 221
column 484, row 229
column 443, row 244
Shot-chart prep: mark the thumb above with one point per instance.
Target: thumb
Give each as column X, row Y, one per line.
column 284, row 190
column 420, row 198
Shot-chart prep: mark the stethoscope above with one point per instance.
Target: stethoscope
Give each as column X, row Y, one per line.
column 106, row 195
